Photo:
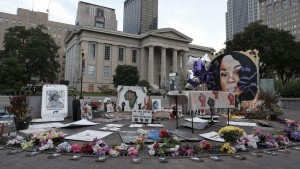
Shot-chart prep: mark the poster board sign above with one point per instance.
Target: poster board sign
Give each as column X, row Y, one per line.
column 156, row 104
column 131, row 98
column 142, row 116
column 212, row 99
column 86, row 109
column 54, row 101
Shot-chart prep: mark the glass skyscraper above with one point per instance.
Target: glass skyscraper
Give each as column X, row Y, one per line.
column 239, row 14
column 140, row 16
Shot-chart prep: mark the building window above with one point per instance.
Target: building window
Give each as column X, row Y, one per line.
column 13, row 21
column 99, row 25
column 91, row 71
column 1, row 19
column 59, row 30
column 121, row 54
column 49, row 27
column 293, row 2
column 285, row 4
column 6, row 19
column 106, row 72
column 92, row 51
column 277, row 6
column 107, row 53
column 134, row 55
column 66, row 30
column 19, row 23
column 269, row 9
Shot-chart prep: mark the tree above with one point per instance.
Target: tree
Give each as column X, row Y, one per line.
column 32, row 48
column 277, row 50
column 144, row 83
column 126, row 75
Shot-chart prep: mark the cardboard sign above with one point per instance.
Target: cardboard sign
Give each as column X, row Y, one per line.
column 54, row 101
column 142, row 116
column 86, row 109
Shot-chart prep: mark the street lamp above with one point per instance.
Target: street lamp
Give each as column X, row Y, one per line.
column 82, row 70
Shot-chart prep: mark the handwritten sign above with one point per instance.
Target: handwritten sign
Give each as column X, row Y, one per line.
column 142, row 116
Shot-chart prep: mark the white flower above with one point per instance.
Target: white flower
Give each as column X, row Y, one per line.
column 151, row 151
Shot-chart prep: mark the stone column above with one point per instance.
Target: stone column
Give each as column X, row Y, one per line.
column 142, row 64
column 151, row 65
column 163, row 66
column 175, row 61
column 185, row 60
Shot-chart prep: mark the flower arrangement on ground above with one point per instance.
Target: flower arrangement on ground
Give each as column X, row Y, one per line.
column 226, row 147
column 168, row 145
column 231, row 134
column 292, row 129
column 205, row 144
column 21, row 109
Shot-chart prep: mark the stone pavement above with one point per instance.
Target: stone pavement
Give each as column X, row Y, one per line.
column 283, row 160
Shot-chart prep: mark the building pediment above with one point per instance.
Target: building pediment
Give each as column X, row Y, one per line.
column 169, row 33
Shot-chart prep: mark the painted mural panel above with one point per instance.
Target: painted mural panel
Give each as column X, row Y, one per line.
column 131, row 98
column 235, row 72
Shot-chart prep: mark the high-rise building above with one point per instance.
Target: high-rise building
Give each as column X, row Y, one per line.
column 140, row 16
column 239, row 14
column 96, row 16
column 30, row 19
column 282, row 14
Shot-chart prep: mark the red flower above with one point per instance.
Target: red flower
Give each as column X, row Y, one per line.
column 280, row 138
column 87, row 148
column 155, row 145
column 164, row 133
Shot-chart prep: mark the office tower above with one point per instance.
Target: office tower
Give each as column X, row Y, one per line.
column 29, row 19
column 95, row 15
column 282, row 14
column 140, row 16
column 239, row 14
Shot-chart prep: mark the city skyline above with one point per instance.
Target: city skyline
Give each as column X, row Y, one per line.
column 190, row 18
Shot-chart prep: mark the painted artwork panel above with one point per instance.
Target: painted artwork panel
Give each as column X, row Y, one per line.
column 54, row 101
column 156, row 104
column 131, row 98
column 235, row 72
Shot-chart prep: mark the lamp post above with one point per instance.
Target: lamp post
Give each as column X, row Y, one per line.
column 82, row 70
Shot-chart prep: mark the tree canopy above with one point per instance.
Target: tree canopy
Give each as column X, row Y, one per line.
column 277, row 50
column 126, row 75
column 28, row 53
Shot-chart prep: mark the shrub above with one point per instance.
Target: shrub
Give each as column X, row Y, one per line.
column 292, row 89
column 144, row 83
column 110, row 92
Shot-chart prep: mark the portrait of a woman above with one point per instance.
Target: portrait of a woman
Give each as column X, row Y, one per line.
column 234, row 72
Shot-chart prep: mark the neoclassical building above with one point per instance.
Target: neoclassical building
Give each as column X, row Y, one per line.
column 99, row 51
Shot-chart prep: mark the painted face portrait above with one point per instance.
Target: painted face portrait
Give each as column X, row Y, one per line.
column 234, row 72
column 229, row 74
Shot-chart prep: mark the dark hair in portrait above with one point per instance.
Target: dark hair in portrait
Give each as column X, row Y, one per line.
column 247, row 74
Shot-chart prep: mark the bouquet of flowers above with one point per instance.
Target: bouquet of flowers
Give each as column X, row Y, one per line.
column 205, row 144
column 228, row 148
column 231, row 134
column 169, row 144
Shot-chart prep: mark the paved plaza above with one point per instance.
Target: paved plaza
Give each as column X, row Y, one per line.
column 282, row 160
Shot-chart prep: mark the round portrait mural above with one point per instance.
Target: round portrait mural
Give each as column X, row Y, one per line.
column 234, row 72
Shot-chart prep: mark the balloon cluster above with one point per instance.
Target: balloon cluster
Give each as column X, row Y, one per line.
column 199, row 73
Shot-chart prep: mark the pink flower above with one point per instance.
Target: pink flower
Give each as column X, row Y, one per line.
column 132, row 152
column 281, row 138
column 61, row 134
column 75, row 148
